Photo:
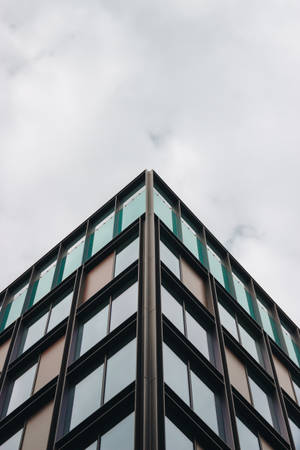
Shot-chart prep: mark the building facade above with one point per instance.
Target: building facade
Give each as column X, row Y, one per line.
column 139, row 331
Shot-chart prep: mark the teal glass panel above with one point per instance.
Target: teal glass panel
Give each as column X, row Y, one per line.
column 123, row 306
column 172, row 309
column 121, row 368
column 295, row 432
column 22, row 389
column 14, row 309
column 43, row 284
column 204, row 402
column 163, row 210
column 13, row 442
column 133, row 208
column 169, row 259
column 189, row 238
column 261, row 402
column 72, row 260
column 60, row 311
column 268, row 322
column 102, row 235
column 243, row 296
column 247, row 439
column 249, row 344
column 293, row 350
column 197, row 335
column 126, row 256
column 175, row 374
column 228, row 321
column 121, row 436
column 93, row 330
column 87, row 397
column 217, row 268
column 175, row 439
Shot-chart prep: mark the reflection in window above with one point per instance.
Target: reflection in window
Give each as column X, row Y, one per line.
column 247, row 439
column 297, row 391
column 86, row 397
column 197, row 335
column 21, row 389
column 243, row 296
column 295, row 432
column 102, row 235
column 169, row 259
column 13, row 310
column 228, row 321
column 175, row 374
column 93, row 329
column 164, row 211
column 204, row 402
column 172, row 309
column 268, row 322
column 126, row 256
column 34, row 332
column 293, row 350
column 72, row 260
column 250, row 344
column 175, row 439
column 192, row 241
column 13, row 442
column 121, row 436
column 123, row 306
column 60, row 311
column 261, row 400
column 121, row 369
column 131, row 209
column 43, row 284
column 217, row 268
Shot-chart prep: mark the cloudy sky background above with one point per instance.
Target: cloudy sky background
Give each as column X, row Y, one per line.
column 205, row 92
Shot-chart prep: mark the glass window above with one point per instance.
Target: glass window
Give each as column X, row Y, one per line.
column 169, row 259
column 295, row 432
column 13, row 442
column 243, row 296
column 102, row 234
column 127, row 256
column 87, row 397
column 297, row 391
column 192, row 241
column 34, row 332
column 121, row 436
column 123, row 306
column 164, row 210
column 175, row 439
column 172, row 309
column 197, row 335
column 121, row 369
column 93, row 330
column 22, row 388
column 250, row 344
column 228, row 321
column 293, row 350
column 60, row 311
column 175, row 373
column 93, row 446
column 43, row 284
column 268, row 322
column 204, row 402
column 13, row 310
column 261, row 401
column 217, row 268
column 72, row 260
column 132, row 208
column 247, row 439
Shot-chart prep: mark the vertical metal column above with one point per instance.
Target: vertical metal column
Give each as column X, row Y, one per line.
column 150, row 420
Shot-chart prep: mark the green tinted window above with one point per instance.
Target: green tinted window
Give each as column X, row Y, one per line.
column 243, row 296
column 164, row 211
column 43, row 285
column 268, row 322
column 102, row 234
column 13, row 310
column 132, row 208
column 72, row 260
column 293, row 350
column 217, row 268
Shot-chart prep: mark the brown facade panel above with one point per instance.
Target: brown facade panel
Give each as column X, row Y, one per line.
column 237, row 374
column 37, row 429
column 3, row 352
column 49, row 365
column 193, row 282
column 284, row 378
column 98, row 277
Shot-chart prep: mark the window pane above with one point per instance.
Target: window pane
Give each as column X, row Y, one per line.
column 250, row 344
column 120, row 370
column 102, row 235
column 247, row 439
column 34, row 332
column 93, row 446
column 297, row 391
column 295, row 432
column 133, row 208
column 228, row 321
column 172, row 309
column 22, row 388
column 127, row 256
column 14, row 309
column 43, row 284
column 217, row 268
column 293, row 351
column 204, row 402
column 197, row 335
column 175, row 439
column 124, row 306
column 120, row 436
column 72, row 260
column 163, row 210
column 93, row 330
column 260, row 401
column 87, row 396
column 60, row 311
column 243, row 296
column 169, row 259
column 13, row 442
column 268, row 322
column 175, row 374
column 192, row 241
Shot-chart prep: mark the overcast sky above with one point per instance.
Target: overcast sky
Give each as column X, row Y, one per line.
column 204, row 92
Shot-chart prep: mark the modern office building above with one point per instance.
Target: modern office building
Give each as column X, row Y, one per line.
column 139, row 331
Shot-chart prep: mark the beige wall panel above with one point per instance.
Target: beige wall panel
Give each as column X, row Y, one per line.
column 49, row 365
column 284, row 377
column 193, row 282
column 98, row 277
column 237, row 374
column 37, row 429
column 3, row 352
column 265, row 445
